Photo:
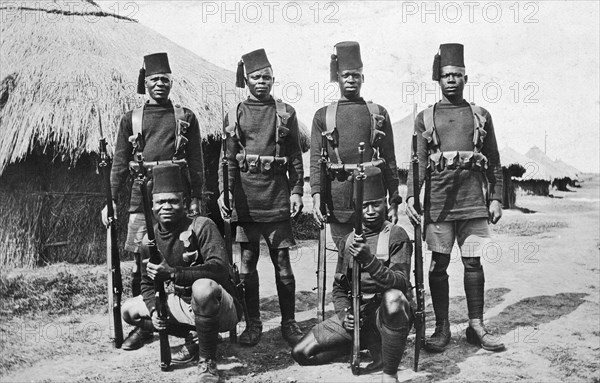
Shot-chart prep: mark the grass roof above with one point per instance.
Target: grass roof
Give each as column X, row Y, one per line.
column 61, row 65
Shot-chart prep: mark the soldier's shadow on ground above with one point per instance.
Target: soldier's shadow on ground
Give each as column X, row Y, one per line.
column 529, row 313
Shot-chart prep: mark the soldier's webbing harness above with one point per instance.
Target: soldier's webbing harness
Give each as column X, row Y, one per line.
column 181, row 141
column 439, row 160
column 257, row 163
column 339, row 170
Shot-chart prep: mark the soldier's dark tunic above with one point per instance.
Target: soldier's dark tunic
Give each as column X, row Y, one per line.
column 457, row 194
column 354, row 126
column 210, row 262
column 264, row 196
column 158, row 131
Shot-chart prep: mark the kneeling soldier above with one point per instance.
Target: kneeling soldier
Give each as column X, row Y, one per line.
column 204, row 301
column 384, row 255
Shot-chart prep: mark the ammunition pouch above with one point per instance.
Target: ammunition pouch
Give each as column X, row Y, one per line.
column 255, row 164
column 181, row 140
column 457, row 160
column 345, row 172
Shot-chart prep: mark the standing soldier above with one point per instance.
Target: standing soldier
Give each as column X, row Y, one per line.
column 346, row 123
column 167, row 132
column 458, row 160
column 266, row 186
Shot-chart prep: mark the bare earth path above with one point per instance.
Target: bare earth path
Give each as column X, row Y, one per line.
column 542, row 297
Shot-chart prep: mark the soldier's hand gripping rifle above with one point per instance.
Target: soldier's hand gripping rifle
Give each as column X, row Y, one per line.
column 161, row 306
column 419, row 286
column 114, row 280
column 322, row 253
column 227, row 227
column 356, row 293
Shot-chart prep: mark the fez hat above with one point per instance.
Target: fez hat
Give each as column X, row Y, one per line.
column 373, row 184
column 167, row 179
column 448, row 54
column 347, row 57
column 253, row 61
column 153, row 64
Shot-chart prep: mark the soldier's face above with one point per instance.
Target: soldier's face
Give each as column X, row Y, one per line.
column 168, row 207
column 374, row 212
column 452, row 81
column 350, row 82
column 159, row 86
column 260, row 83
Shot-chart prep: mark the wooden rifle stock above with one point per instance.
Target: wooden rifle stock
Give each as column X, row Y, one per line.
column 356, row 293
column 113, row 261
column 418, row 270
column 322, row 253
column 161, row 306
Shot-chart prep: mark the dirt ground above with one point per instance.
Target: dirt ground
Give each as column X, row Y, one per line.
column 542, row 298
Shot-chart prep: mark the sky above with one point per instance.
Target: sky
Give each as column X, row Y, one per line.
column 534, row 65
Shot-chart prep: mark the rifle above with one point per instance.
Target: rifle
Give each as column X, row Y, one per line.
column 419, row 286
column 356, row 293
column 322, row 253
column 155, row 257
column 227, row 228
column 114, row 280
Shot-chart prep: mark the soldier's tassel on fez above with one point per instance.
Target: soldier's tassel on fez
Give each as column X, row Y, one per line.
column 153, row 64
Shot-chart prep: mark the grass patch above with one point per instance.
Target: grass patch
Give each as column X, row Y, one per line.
column 525, row 228
column 55, row 290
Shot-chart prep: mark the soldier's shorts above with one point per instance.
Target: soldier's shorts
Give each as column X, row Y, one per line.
column 182, row 312
column 472, row 235
column 136, row 229
column 278, row 235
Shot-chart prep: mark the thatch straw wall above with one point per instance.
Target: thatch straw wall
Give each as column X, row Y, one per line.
column 532, row 187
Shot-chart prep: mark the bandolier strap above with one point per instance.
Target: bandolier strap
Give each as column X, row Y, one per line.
column 257, row 163
column 471, row 160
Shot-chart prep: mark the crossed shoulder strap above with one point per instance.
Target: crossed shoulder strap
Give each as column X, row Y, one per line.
column 137, row 118
column 433, row 138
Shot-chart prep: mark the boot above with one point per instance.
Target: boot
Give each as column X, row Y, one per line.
column 438, row 284
column 189, row 351
column 207, row 371
column 291, row 332
column 478, row 335
column 137, row 338
column 440, row 338
column 252, row 334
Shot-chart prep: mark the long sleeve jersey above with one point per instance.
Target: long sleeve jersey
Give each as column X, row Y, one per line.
column 207, row 260
column 158, row 132
column 384, row 272
column 353, row 122
column 456, row 194
column 263, row 196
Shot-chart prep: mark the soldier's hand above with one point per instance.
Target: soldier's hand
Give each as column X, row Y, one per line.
column 348, row 322
column 296, row 205
column 158, row 323
column 317, row 209
column 495, row 211
column 194, row 207
column 104, row 213
column 161, row 272
column 360, row 250
column 393, row 213
column 411, row 213
column 225, row 212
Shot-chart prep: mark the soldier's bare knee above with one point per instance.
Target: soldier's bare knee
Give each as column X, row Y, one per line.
column 395, row 302
column 205, row 293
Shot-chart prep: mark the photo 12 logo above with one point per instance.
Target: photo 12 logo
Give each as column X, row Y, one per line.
column 70, row 11
column 470, row 11
column 269, row 11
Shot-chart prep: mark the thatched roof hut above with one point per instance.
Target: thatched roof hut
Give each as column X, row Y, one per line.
column 62, row 65
column 560, row 177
